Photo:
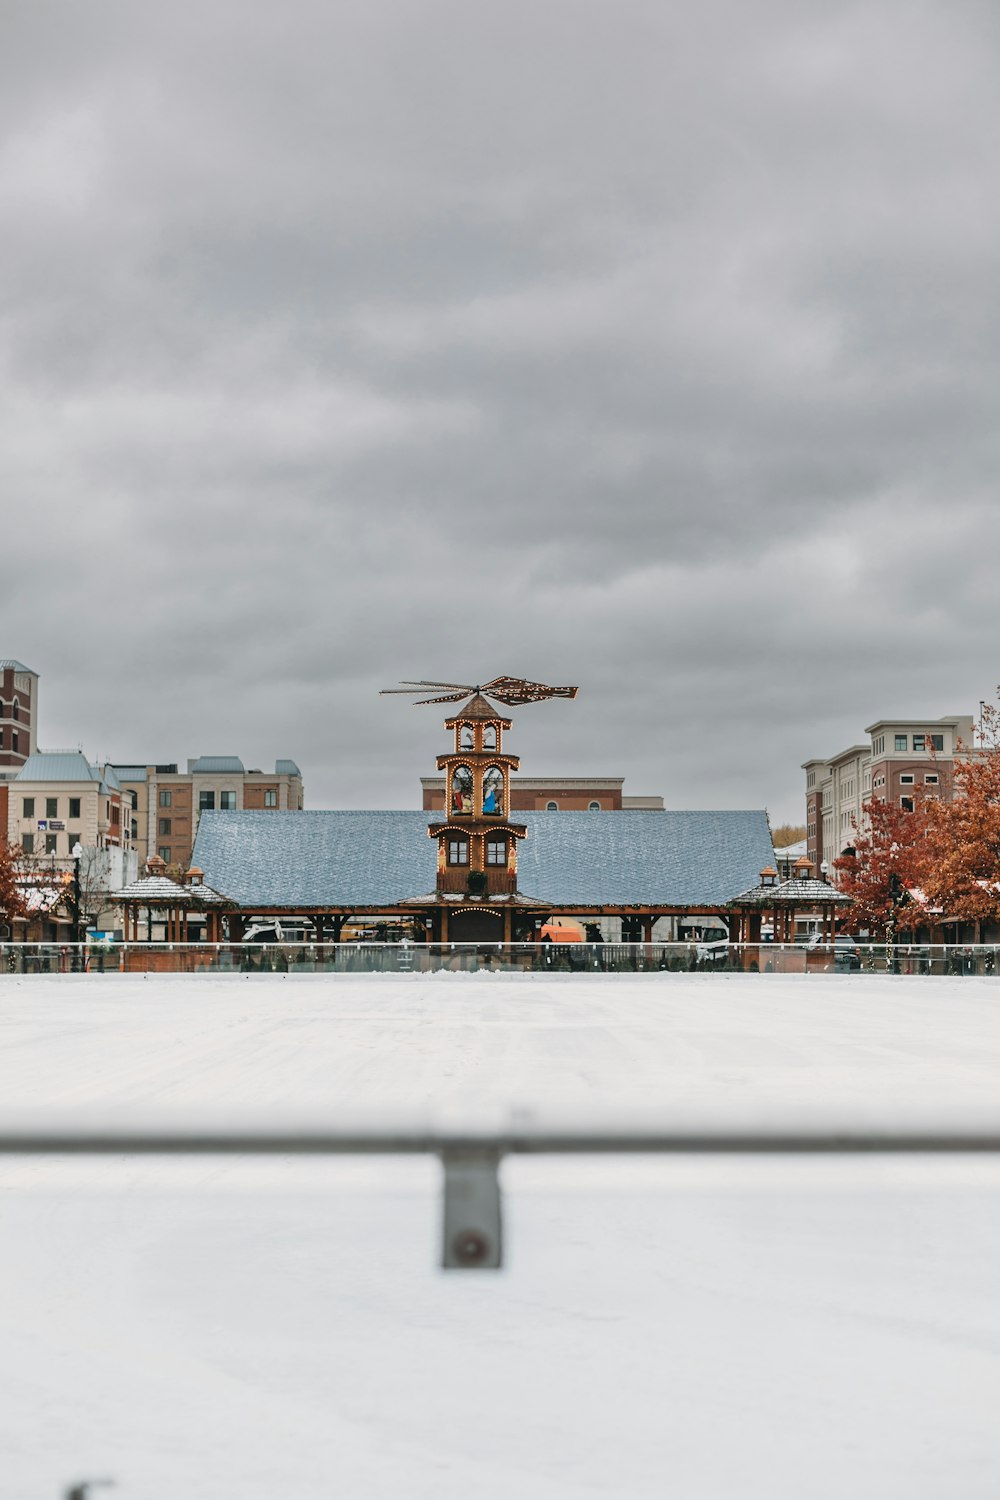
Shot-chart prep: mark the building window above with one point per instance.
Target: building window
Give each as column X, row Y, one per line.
column 936, row 741
column 552, row 807
column 931, row 779
column 594, row 807
column 52, row 807
column 134, row 831
column 206, row 801
column 906, row 780
column 901, row 742
column 919, row 742
column 133, row 798
column 29, row 807
column 270, row 797
column 14, row 742
column 227, row 801
column 72, row 839
column 166, row 797
column 164, row 855
column 906, row 803
column 51, row 843
column 496, row 851
column 28, row 843
column 15, row 710
column 164, row 825
column 74, row 807
column 458, row 851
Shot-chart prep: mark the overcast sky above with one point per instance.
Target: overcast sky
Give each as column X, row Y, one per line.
column 646, row 346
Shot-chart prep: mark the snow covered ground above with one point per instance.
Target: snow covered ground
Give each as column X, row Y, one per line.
column 209, row 1329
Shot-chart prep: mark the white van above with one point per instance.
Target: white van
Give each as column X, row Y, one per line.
column 710, row 933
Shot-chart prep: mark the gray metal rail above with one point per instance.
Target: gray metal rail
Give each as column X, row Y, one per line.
column 472, row 1236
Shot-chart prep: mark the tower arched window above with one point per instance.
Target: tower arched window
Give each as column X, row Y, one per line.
column 490, row 737
column 15, row 710
column 493, row 792
column 466, row 737
column 461, row 791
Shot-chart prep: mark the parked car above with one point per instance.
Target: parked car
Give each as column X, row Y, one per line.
column 842, row 954
column 711, row 936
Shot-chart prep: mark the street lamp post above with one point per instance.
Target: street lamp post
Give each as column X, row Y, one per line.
column 76, row 852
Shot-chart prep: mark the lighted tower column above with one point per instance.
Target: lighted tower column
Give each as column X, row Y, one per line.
column 477, row 842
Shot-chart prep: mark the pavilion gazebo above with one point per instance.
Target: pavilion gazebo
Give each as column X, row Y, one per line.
column 172, row 904
column 783, row 900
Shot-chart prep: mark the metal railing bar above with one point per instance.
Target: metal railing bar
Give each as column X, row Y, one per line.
column 700, row 1141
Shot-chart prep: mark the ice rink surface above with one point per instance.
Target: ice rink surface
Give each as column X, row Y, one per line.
column 213, row 1328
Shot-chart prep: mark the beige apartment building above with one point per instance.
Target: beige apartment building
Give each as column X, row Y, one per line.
column 58, row 800
column 898, row 756
column 58, row 803
column 166, row 803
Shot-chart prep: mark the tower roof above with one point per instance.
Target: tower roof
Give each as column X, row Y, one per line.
column 477, row 707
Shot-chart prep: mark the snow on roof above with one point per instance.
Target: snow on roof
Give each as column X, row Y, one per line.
column 39, row 898
column 160, row 888
column 794, row 892
column 288, row 859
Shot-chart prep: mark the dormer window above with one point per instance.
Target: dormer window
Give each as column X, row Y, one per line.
column 552, row 807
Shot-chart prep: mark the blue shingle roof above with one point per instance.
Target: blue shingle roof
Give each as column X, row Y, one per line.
column 629, row 858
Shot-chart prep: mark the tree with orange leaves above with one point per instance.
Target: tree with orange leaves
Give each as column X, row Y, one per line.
column 888, row 860
column 11, row 897
column 962, row 874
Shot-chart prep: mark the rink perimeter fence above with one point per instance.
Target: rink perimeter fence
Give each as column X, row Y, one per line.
column 508, row 958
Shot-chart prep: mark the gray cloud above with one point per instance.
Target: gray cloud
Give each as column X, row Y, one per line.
column 650, row 347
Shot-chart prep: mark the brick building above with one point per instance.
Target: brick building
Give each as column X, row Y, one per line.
column 167, row 803
column 898, row 756
column 555, row 794
column 18, row 716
